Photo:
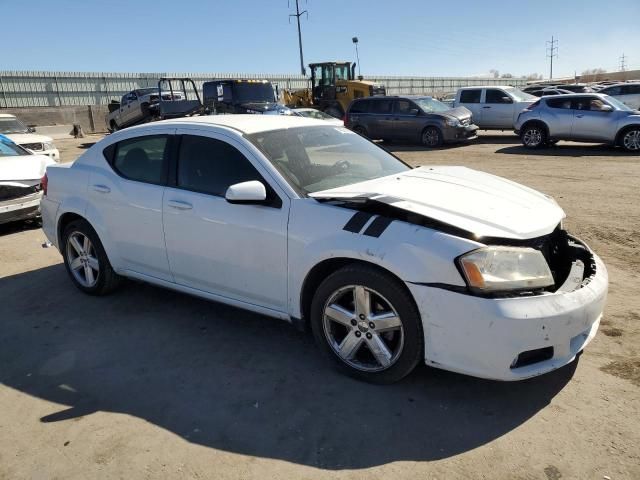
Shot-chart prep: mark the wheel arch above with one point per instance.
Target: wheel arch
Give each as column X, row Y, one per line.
column 535, row 121
column 323, row 269
column 624, row 130
column 70, row 216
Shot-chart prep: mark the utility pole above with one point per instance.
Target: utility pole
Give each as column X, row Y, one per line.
column 298, row 14
column 623, row 62
column 552, row 51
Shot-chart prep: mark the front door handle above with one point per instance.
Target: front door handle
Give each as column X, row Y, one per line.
column 179, row 205
column 101, row 188
column 579, row 116
column 486, row 107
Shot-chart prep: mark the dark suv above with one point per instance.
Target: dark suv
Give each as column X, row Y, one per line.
column 410, row 119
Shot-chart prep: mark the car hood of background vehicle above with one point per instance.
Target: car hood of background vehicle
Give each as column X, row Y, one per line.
column 480, row 203
column 21, row 138
column 25, row 167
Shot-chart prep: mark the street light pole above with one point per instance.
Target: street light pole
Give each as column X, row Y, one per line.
column 355, row 41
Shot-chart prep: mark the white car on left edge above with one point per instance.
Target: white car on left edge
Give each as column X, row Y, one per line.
column 13, row 128
column 313, row 224
column 21, row 174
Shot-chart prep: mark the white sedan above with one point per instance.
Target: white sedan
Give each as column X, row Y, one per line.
column 21, row 175
column 313, row 224
column 317, row 114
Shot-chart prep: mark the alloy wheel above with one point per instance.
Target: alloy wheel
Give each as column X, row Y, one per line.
column 431, row 137
column 82, row 259
column 631, row 140
column 532, row 137
column 363, row 329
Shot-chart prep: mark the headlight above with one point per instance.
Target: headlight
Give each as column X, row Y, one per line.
column 48, row 146
column 495, row 269
column 453, row 122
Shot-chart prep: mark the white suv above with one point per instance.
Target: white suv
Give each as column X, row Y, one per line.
column 627, row 93
column 24, row 136
column 494, row 107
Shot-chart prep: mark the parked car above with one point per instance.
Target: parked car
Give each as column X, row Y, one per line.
column 14, row 129
column 591, row 117
column 313, row 224
column 494, row 107
column 242, row 96
column 627, row 93
column 137, row 106
column 449, row 99
column 546, row 92
column 21, row 175
column 576, row 87
column 410, row 119
column 317, row 114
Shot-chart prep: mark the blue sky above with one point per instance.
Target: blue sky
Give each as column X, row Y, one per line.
column 403, row 37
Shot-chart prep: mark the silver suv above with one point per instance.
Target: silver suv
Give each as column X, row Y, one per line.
column 581, row 117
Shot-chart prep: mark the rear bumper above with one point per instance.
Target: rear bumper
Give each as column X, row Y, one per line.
column 21, row 208
column 459, row 134
column 509, row 338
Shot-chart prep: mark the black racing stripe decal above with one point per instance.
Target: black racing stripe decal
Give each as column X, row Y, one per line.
column 378, row 226
column 356, row 222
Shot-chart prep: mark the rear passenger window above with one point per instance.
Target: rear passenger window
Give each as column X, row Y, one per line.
column 559, row 103
column 381, row 106
column 210, row 166
column 143, row 159
column 359, row 107
column 470, row 96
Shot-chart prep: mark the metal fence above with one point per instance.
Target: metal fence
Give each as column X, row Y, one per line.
column 54, row 89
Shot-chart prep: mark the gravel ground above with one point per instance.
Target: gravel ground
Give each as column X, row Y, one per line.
column 154, row 384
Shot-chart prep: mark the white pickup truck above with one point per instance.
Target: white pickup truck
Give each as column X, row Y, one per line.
column 137, row 106
column 493, row 107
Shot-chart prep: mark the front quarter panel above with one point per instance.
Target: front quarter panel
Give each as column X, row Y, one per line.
column 411, row 252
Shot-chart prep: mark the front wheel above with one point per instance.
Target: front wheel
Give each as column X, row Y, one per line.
column 368, row 324
column 533, row 136
column 431, row 137
column 631, row 140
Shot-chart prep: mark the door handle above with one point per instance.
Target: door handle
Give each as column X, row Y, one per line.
column 179, row 205
column 486, row 107
column 579, row 116
column 101, row 188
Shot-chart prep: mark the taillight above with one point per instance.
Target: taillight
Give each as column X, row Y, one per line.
column 44, row 183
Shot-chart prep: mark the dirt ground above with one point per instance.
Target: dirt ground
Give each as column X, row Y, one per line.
column 148, row 383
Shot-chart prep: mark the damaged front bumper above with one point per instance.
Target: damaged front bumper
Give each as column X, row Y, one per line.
column 21, row 208
column 513, row 338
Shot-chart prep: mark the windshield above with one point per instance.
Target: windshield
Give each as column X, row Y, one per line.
column 244, row 92
column 12, row 125
column 519, row 95
column 618, row 104
column 10, row 149
column 320, row 158
column 146, row 91
column 314, row 114
column 430, row 105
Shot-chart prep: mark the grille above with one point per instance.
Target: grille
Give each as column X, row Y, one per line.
column 33, row 146
column 8, row 192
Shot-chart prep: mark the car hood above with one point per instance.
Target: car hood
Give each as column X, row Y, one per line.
column 21, row 138
column 20, row 170
column 461, row 113
column 479, row 203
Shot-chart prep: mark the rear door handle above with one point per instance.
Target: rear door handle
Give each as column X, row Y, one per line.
column 179, row 205
column 101, row 188
column 579, row 116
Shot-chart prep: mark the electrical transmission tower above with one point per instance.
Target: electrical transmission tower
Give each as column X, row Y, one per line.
column 623, row 63
column 298, row 14
column 552, row 51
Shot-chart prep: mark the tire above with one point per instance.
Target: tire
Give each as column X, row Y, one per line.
column 533, row 136
column 80, row 258
column 361, row 131
column 630, row 140
column 351, row 347
column 431, row 137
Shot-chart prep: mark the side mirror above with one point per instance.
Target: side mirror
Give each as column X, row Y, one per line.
column 252, row 191
column 606, row 108
column 414, row 111
column 507, row 100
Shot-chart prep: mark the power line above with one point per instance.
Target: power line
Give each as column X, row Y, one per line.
column 623, row 63
column 298, row 14
column 552, row 51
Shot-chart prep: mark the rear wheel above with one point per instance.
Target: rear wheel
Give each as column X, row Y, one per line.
column 367, row 323
column 86, row 261
column 431, row 137
column 533, row 136
column 630, row 140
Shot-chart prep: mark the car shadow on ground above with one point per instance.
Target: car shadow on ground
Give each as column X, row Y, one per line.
column 482, row 139
column 19, row 226
column 568, row 150
column 236, row 381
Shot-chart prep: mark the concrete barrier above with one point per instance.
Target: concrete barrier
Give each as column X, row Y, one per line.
column 90, row 117
column 55, row 131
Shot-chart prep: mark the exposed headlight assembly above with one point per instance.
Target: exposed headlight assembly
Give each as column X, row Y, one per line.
column 452, row 122
column 48, row 146
column 502, row 269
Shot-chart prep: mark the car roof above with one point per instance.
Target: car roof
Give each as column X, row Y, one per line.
column 247, row 123
column 487, row 86
column 575, row 95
